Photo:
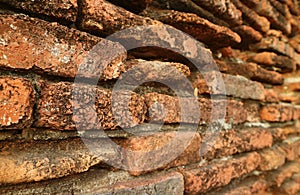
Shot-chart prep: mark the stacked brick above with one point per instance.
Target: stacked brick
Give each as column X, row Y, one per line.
column 240, row 140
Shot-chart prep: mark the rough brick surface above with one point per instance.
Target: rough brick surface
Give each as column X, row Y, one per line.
column 16, row 103
column 202, row 179
column 278, row 113
column 56, row 107
column 265, row 8
column 63, row 49
column 236, row 86
column 251, row 71
column 60, row 9
column 35, row 161
column 225, row 10
column 234, row 141
column 271, row 59
column 167, row 108
column 256, row 21
column 161, row 150
column 203, row 30
column 104, row 18
column 99, row 180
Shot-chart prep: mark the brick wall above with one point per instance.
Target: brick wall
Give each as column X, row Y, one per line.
column 200, row 139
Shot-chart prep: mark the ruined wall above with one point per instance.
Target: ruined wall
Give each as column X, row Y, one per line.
column 250, row 47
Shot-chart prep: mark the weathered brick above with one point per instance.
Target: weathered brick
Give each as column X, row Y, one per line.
column 271, row 96
column 60, row 9
column 256, row 21
column 251, row 71
column 229, row 142
column 161, row 150
column 220, row 173
column 286, row 171
column 276, row 45
column 272, row 158
column 16, row 103
column 272, row 59
column 277, row 113
column 64, row 50
column 213, row 35
column 28, row 161
column 56, row 107
column 225, row 10
column 248, row 186
column 103, row 18
column 98, row 180
column 265, row 8
column 140, row 70
column 167, row 108
column 248, row 35
column 236, row 86
column 290, row 187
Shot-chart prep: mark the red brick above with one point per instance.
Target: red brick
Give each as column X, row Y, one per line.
column 203, row 30
column 277, row 113
column 272, row 158
column 225, row 10
column 60, row 9
column 285, row 172
column 271, row 96
column 264, row 8
column 220, row 173
column 271, row 59
column 251, row 71
column 28, row 161
column 161, row 150
column 100, row 181
column 56, row 105
column 63, row 49
column 156, row 71
column 248, row 35
column 229, row 142
column 236, row 86
column 274, row 44
column 256, row 21
column 167, row 108
column 103, row 18
column 248, row 186
column 16, row 103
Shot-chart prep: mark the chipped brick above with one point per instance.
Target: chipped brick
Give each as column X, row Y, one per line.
column 16, row 103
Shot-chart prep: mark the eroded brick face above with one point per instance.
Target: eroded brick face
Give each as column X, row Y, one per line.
column 16, row 103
